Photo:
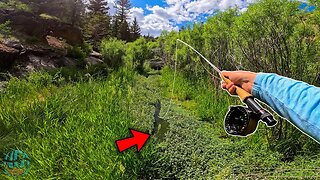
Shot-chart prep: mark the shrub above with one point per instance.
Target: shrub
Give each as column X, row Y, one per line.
column 138, row 52
column 80, row 52
column 14, row 4
column 5, row 30
column 113, row 52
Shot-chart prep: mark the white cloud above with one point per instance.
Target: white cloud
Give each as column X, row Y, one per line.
column 202, row 6
column 136, row 13
column 226, row 4
column 178, row 11
column 111, row 5
column 154, row 23
column 153, row 20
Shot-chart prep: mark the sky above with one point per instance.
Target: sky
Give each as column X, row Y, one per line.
column 154, row 16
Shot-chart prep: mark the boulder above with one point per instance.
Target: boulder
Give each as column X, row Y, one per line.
column 7, row 56
column 13, row 43
column 56, row 43
column 156, row 64
column 96, row 55
column 93, row 61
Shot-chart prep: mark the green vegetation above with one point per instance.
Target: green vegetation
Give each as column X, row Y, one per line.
column 80, row 52
column 47, row 16
column 271, row 36
column 138, row 52
column 5, row 30
column 14, row 5
column 70, row 131
column 68, row 119
column 113, row 52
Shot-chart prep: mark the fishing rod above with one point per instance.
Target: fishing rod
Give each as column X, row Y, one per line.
column 241, row 120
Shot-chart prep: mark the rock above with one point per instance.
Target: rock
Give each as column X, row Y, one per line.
column 93, row 61
column 96, row 55
column 71, row 34
column 68, row 62
column 34, row 26
column 7, row 56
column 56, row 43
column 156, row 64
column 37, row 62
column 8, row 50
column 13, row 43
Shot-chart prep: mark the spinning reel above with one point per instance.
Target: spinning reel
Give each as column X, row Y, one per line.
column 243, row 121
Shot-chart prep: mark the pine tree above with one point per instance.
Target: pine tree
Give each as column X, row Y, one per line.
column 123, row 8
column 98, row 21
column 135, row 30
column 98, row 6
column 124, row 31
column 121, row 28
column 77, row 11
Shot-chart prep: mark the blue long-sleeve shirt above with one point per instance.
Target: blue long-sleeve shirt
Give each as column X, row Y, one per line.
column 296, row 101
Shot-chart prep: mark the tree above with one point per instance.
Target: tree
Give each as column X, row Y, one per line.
column 124, row 31
column 120, row 24
column 77, row 11
column 135, row 30
column 100, row 6
column 123, row 8
column 138, row 52
column 98, row 21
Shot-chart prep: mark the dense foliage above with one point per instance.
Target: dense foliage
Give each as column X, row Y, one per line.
column 92, row 16
column 271, row 36
column 113, row 52
column 5, row 30
column 138, row 52
column 68, row 119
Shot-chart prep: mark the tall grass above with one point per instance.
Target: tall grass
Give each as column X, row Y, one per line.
column 70, row 131
column 199, row 96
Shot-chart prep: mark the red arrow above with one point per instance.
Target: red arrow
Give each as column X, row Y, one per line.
column 139, row 139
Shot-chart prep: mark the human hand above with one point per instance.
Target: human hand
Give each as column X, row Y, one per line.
column 243, row 79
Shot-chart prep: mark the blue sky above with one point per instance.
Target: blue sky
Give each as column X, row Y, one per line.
column 154, row 16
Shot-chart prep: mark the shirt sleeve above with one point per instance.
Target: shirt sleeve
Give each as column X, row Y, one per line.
column 296, row 101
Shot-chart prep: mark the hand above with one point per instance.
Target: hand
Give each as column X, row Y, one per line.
column 243, row 79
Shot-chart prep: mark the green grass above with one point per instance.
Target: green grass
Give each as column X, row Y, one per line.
column 70, row 131
column 69, row 128
column 49, row 17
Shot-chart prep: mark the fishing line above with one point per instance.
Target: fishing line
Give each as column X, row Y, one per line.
column 174, row 81
column 240, row 120
column 175, row 73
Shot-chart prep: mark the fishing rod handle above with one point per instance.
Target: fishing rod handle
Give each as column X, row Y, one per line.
column 248, row 99
column 243, row 95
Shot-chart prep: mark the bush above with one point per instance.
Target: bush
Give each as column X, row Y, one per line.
column 80, row 52
column 137, row 52
column 113, row 51
column 5, row 30
column 14, row 4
